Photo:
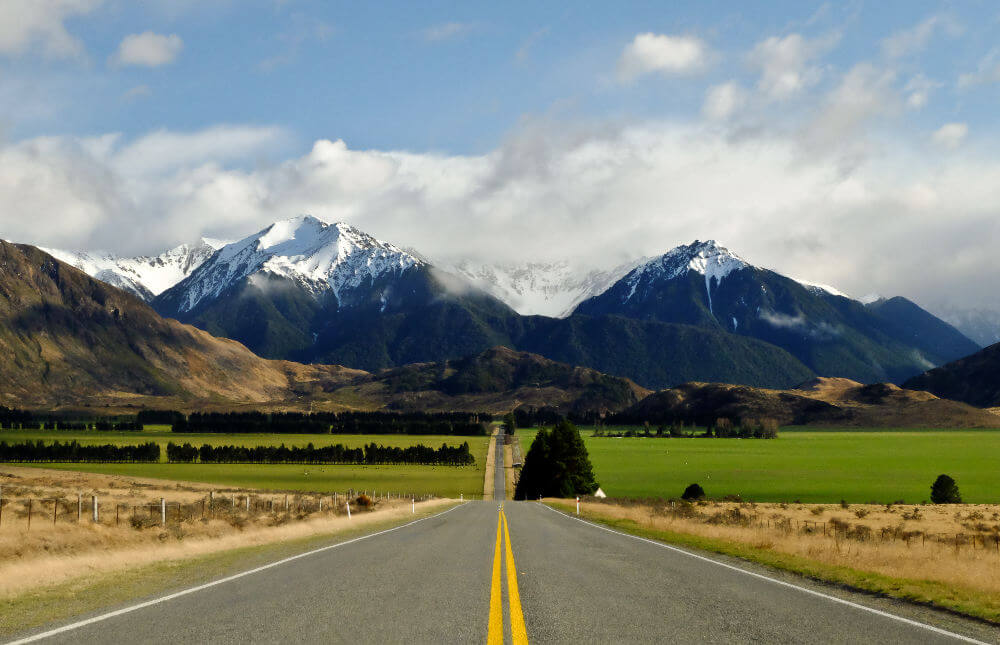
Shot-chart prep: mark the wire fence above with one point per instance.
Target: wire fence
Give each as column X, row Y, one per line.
column 27, row 511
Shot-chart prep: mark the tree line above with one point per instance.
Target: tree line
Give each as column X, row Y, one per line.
column 73, row 451
column 336, row 454
column 411, row 423
column 723, row 428
column 13, row 419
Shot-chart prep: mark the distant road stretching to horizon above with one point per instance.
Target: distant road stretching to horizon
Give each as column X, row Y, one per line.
column 507, row 572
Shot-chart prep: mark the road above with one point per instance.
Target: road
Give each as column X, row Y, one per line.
column 450, row 579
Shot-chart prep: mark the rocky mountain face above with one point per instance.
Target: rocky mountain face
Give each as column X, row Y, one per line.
column 314, row 292
column 706, row 285
column 67, row 338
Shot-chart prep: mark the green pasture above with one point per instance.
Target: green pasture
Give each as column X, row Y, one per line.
column 444, row 481
column 809, row 465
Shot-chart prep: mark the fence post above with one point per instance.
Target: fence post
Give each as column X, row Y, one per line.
column 95, row 516
column 286, row 503
column 29, row 513
column 348, row 504
column 320, row 504
column 79, row 507
column 118, row 509
column 55, row 510
column 211, row 500
column 413, row 505
column 248, row 503
column 163, row 512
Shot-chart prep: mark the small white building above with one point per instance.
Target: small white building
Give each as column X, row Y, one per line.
column 600, row 493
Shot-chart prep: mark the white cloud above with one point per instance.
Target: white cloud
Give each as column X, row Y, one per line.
column 915, row 39
column 864, row 94
column 987, row 72
column 595, row 196
column 27, row 25
column 148, row 49
column 918, row 91
column 722, row 101
column 663, row 54
column 446, row 31
column 785, row 64
column 950, row 135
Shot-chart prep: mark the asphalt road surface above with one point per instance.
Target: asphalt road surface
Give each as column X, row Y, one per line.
column 451, row 578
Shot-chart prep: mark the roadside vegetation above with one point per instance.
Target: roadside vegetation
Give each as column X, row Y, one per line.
column 68, row 567
column 943, row 555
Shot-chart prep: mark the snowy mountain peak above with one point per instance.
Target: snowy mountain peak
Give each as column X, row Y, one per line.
column 322, row 257
column 144, row 276
column 708, row 258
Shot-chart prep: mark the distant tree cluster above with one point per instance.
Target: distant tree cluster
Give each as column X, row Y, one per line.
column 531, row 417
column 158, row 417
column 11, row 419
column 72, row 451
column 557, row 465
column 336, row 454
column 722, row 429
column 412, row 423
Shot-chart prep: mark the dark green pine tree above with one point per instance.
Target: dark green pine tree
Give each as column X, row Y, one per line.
column 532, row 483
column 944, row 490
column 557, row 465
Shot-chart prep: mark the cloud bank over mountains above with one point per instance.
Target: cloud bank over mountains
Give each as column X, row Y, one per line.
column 896, row 223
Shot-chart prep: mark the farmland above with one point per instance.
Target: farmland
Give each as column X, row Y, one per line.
column 813, row 466
column 445, row 481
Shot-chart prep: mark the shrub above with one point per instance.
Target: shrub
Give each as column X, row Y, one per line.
column 945, row 491
column 365, row 502
column 844, row 504
column 860, row 512
column 693, row 492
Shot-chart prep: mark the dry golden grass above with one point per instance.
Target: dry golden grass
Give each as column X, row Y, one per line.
column 797, row 530
column 50, row 554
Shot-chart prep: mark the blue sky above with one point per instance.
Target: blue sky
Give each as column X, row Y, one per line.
column 811, row 137
column 453, row 77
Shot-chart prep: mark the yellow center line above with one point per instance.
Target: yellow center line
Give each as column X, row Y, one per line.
column 518, row 633
column 495, row 632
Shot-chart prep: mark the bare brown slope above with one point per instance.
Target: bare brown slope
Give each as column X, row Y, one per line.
column 67, row 339
column 824, row 401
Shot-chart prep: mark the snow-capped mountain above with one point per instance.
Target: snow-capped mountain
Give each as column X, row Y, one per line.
column 144, row 276
column 324, row 259
column 540, row 288
column 707, row 285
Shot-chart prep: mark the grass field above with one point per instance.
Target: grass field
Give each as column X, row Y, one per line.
column 444, row 481
column 802, row 464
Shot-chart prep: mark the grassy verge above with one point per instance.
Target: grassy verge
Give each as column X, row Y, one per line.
column 60, row 602
column 956, row 598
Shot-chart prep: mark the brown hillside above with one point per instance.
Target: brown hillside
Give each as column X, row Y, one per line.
column 824, row 401
column 67, row 339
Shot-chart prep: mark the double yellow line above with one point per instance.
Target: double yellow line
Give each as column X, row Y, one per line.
column 518, row 634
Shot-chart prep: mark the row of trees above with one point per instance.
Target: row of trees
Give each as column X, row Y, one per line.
column 557, row 465
column 451, row 423
column 336, row 454
column 39, row 451
column 723, row 428
column 14, row 419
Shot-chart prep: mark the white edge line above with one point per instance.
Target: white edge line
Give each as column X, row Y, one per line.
column 811, row 592
column 208, row 585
